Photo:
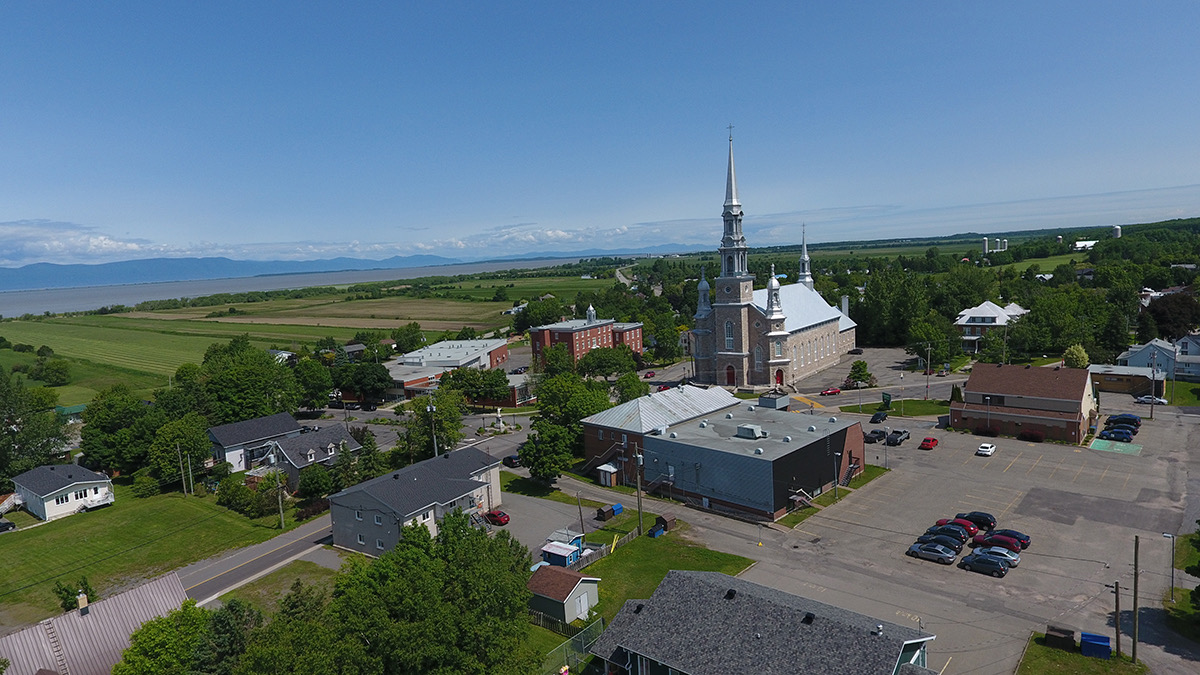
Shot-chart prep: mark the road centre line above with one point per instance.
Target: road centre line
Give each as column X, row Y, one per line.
column 289, row 543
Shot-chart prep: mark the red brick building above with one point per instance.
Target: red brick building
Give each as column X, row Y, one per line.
column 583, row 335
column 1057, row 402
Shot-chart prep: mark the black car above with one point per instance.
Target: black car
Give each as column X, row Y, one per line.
column 1013, row 534
column 879, row 417
column 337, row 404
column 949, row 542
column 874, row 436
column 985, row 521
column 512, row 461
column 369, row 406
column 6, row 525
column 856, row 350
column 950, row 531
column 984, row 564
column 1123, row 418
column 352, row 406
column 897, row 437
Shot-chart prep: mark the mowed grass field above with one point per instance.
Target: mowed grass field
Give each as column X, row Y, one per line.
column 115, row 547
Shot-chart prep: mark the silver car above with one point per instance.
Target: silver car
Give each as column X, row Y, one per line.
column 934, row 552
column 1013, row 559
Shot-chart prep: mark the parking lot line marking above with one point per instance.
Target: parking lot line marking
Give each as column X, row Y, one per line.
column 1035, row 463
column 1104, row 474
column 1079, row 471
column 1013, row 462
column 943, row 670
column 1127, row 477
column 1060, row 463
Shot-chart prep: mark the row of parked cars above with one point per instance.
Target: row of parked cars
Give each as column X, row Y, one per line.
column 996, row 551
column 1121, row 427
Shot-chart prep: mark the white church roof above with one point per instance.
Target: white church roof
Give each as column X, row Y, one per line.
column 662, row 409
column 803, row 308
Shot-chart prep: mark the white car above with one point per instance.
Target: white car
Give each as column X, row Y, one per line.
column 986, row 449
column 1013, row 559
column 1151, row 399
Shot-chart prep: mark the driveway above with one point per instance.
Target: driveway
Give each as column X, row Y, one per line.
column 533, row 519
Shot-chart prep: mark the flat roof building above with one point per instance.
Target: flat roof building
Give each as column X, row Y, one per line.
column 482, row 354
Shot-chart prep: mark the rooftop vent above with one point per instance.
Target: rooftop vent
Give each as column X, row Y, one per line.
column 673, row 435
column 730, row 593
column 395, row 476
column 879, row 629
column 659, row 431
column 704, row 424
column 812, row 428
column 787, row 439
column 758, row 451
column 750, row 431
column 728, row 416
column 832, row 419
column 750, row 408
column 638, row 609
column 808, row 618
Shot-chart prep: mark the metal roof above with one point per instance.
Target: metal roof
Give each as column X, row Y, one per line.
column 452, row 352
column 787, row 431
column 663, row 408
column 804, row 308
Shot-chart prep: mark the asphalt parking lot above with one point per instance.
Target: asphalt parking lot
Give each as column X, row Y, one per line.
column 1082, row 508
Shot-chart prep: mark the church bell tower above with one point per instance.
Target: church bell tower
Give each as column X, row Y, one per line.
column 734, row 292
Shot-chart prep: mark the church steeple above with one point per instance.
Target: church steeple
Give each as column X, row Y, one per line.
column 774, row 305
column 733, row 244
column 703, row 303
column 805, row 272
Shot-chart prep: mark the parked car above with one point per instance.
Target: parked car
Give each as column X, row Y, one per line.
column 942, row 540
column 897, row 437
column 512, row 461
column 929, row 443
column 1021, row 537
column 832, row 391
column 1127, row 428
column 337, row 404
column 1011, row 557
column 950, row 531
column 352, row 406
column 519, row 371
column 496, row 517
column 369, row 407
column 971, row 528
column 874, row 436
column 934, row 552
column 6, row 525
column 986, row 449
column 664, row 387
column 1116, row 435
column 1158, row 400
column 984, row 564
column 985, row 521
column 989, row 540
column 879, row 417
column 1124, row 418
column 649, row 374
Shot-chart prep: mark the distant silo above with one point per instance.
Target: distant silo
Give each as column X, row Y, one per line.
column 997, row 248
column 1004, row 245
column 1059, row 238
column 985, row 245
column 1116, row 231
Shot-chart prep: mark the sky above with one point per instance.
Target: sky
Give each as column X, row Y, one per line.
column 305, row 130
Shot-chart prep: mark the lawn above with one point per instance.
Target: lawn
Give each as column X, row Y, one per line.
column 264, row 593
column 902, row 408
column 115, row 547
column 1042, row 660
column 798, row 516
column 544, row 640
column 511, row 482
column 869, row 473
column 636, row 569
column 1184, row 393
column 1187, row 550
column 1182, row 616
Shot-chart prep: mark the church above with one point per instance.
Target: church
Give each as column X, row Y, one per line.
column 765, row 338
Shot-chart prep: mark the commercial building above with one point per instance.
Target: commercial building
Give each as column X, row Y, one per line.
column 1057, row 403
column 450, row 354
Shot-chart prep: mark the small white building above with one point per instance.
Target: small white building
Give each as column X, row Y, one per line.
column 975, row 322
column 59, row 490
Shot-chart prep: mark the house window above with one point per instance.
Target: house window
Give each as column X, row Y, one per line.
column 82, row 494
column 426, row 515
column 728, row 336
column 379, row 544
column 358, row 515
column 62, row 500
column 600, row 434
column 378, row 520
column 95, row 490
column 362, row 539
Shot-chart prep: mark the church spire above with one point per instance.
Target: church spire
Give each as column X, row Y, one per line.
column 703, row 303
column 774, row 305
column 733, row 245
column 731, row 198
column 805, row 276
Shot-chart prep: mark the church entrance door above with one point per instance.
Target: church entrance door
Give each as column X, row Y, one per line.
column 730, row 376
column 779, row 377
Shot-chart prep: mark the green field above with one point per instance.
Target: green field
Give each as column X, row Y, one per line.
column 1042, row 660
column 115, row 547
column 264, row 593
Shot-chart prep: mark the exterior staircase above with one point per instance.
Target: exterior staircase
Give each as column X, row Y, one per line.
column 849, row 474
column 9, row 502
column 601, row 458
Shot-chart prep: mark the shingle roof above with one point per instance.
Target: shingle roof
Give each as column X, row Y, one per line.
column 91, row 644
column 1055, row 383
column 46, row 480
column 703, row 623
column 556, row 583
column 1002, row 315
column 324, row 443
column 257, row 429
column 662, row 409
column 803, row 307
column 438, row 480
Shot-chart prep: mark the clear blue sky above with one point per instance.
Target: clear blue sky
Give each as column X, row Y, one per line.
column 298, row 130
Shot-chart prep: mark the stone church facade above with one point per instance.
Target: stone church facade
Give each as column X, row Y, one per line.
column 765, row 338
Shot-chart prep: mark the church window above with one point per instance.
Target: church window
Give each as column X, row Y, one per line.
column 778, row 348
column 758, row 362
column 729, row 265
column 728, row 336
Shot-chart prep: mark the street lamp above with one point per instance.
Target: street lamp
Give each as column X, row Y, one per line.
column 431, row 409
column 1170, row 536
column 887, row 432
column 837, row 467
column 988, row 401
column 902, row 394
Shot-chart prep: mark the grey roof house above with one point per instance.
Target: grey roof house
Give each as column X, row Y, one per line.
column 707, row 623
column 323, row 446
column 367, row 517
column 563, row 594
column 90, row 641
column 243, row 443
column 59, row 490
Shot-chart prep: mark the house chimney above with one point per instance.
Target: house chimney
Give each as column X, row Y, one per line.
column 82, row 601
column 846, row 305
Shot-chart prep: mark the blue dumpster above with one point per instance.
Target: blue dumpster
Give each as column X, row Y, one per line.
column 656, row 532
column 617, row 509
column 1091, row 644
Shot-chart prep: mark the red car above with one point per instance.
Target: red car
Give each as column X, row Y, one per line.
column 831, row 391
column 971, row 528
column 649, row 374
column 929, row 443
column 998, row 540
column 664, row 387
column 496, row 517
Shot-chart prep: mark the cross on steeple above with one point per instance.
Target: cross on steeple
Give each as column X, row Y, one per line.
column 731, row 131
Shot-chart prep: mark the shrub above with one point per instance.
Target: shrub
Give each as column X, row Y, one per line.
column 233, row 494
column 21, row 347
column 221, row 471
column 45, row 352
column 144, row 486
column 987, row 431
column 317, row 506
column 1033, row 436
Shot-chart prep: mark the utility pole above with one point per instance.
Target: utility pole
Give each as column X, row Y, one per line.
column 1117, row 621
column 279, row 494
column 1136, row 541
column 638, row 472
column 182, row 476
column 431, row 409
column 902, row 394
column 928, row 350
column 191, row 480
column 580, row 504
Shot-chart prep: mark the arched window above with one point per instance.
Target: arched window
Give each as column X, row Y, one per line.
column 778, row 348
column 728, row 336
column 758, row 358
column 728, row 265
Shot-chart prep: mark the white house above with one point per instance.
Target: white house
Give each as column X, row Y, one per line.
column 977, row 321
column 50, row 492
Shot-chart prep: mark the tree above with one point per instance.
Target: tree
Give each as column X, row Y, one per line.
column 55, row 372
column 178, row 442
column 493, row 386
column 445, row 421
column 408, row 337
column 629, row 386
column 467, row 333
column 315, row 383
column 68, row 596
column 991, row 347
column 1147, row 328
column 370, row 462
column 501, row 294
column 859, row 372
column 1194, row 569
column 1175, row 315
column 108, row 439
column 606, row 362
column 555, row 360
column 165, row 644
column 370, row 380
column 538, row 313
column 225, row 638
column 315, row 482
column 549, row 450
column 930, row 337
column 566, row 399
column 1075, row 357
column 242, row 382
column 29, row 434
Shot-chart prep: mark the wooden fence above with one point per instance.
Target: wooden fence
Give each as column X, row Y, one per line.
column 601, row 552
column 552, row 624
